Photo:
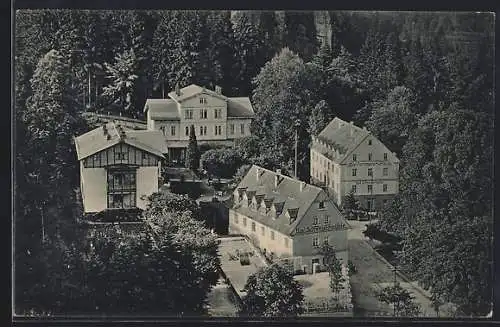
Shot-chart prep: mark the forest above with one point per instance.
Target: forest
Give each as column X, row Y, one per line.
column 421, row 82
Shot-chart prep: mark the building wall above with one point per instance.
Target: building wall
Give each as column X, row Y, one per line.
column 209, row 124
column 261, row 240
column 94, row 189
column 237, row 128
column 147, row 184
column 340, row 179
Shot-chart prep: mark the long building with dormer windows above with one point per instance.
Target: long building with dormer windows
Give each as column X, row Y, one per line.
column 287, row 217
column 345, row 158
column 217, row 119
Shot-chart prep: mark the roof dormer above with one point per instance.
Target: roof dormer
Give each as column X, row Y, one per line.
column 292, row 214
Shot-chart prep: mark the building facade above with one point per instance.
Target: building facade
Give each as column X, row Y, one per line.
column 287, row 217
column 217, row 119
column 347, row 158
column 119, row 168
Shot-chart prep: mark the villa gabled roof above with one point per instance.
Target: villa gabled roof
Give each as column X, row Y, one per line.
column 168, row 109
column 288, row 192
column 97, row 140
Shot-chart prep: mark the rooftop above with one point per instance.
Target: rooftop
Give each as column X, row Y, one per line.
column 287, row 195
column 167, row 109
column 110, row 134
column 338, row 138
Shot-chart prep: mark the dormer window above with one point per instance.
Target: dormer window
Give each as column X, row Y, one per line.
column 292, row 214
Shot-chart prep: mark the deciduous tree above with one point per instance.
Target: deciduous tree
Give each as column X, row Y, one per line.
column 272, row 292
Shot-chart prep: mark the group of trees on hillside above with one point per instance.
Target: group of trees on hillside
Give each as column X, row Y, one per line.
column 421, row 83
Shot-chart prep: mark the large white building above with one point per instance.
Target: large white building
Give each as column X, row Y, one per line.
column 287, row 217
column 347, row 158
column 217, row 119
column 119, row 167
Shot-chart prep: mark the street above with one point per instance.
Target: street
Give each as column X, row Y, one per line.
column 373, row 274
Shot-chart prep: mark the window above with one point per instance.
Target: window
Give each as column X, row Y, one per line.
column 370, row 171
column 321, row 205
column 369, row 204
column 354, row 157
column 385, row 170
column 144, row 155
column 187, row 130
column 384, row 187
column 244, row 221
column 370, row 188
column 231, row 129
column 286, row 241
column 253, row 227
column 203, row 100
column 315, row 221
column 163, row 130
column 354, row 172
column 218, row 130
column 121, row 156
column 384, row 202
column 217, row 113
column 325, row 241
column 272, row 235
column 121, row 188
column 262, row 230
column 188, row 114
column 328, row 165
column 369, row 142
column 327, row 220
column 385, row 156
column 369, row 156
column 172, row 130
column 353, row 189
column 242, row 128
column 204, row 130
column 315, row 241
column 201, row 130
column 203, row 114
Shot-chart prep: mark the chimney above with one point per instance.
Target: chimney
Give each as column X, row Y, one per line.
column 218, row 89
column 258, row 173
column 108, row 137
column 177, row 89
column 351, row 128
column 104, row 128
column 302, row 185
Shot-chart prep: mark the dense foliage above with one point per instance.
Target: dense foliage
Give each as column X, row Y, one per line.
column 421, row 82
column 222, row 163
column 272, row 292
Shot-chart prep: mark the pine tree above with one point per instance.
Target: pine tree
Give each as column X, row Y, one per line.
column 193, row 153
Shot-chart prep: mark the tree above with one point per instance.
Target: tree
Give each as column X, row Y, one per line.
column 272, row 292
column 300, row 33
column 221, row 163
column 402, row 301
column 320, row 117
column 349, row 204
column 393, row 119
column 123, row 76
column 193, row 153
column 282, row 95
column 249, row 49
column 170, row 202
column 334, row 267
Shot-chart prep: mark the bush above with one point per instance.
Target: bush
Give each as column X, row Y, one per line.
column 352, row 268
column 116, row 215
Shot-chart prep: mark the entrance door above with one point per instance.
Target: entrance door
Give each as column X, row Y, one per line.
column 369, row 204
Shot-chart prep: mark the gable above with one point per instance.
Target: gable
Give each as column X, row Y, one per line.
column 196, row 101
column 113, row 156
column 377, row 150
column 335, row 219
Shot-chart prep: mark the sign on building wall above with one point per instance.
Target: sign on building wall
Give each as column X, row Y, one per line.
column 321, row 228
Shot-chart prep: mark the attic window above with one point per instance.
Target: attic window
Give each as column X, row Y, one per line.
column 321, row 205
column 385, row 156
column 369, row 142
column 203, row 100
